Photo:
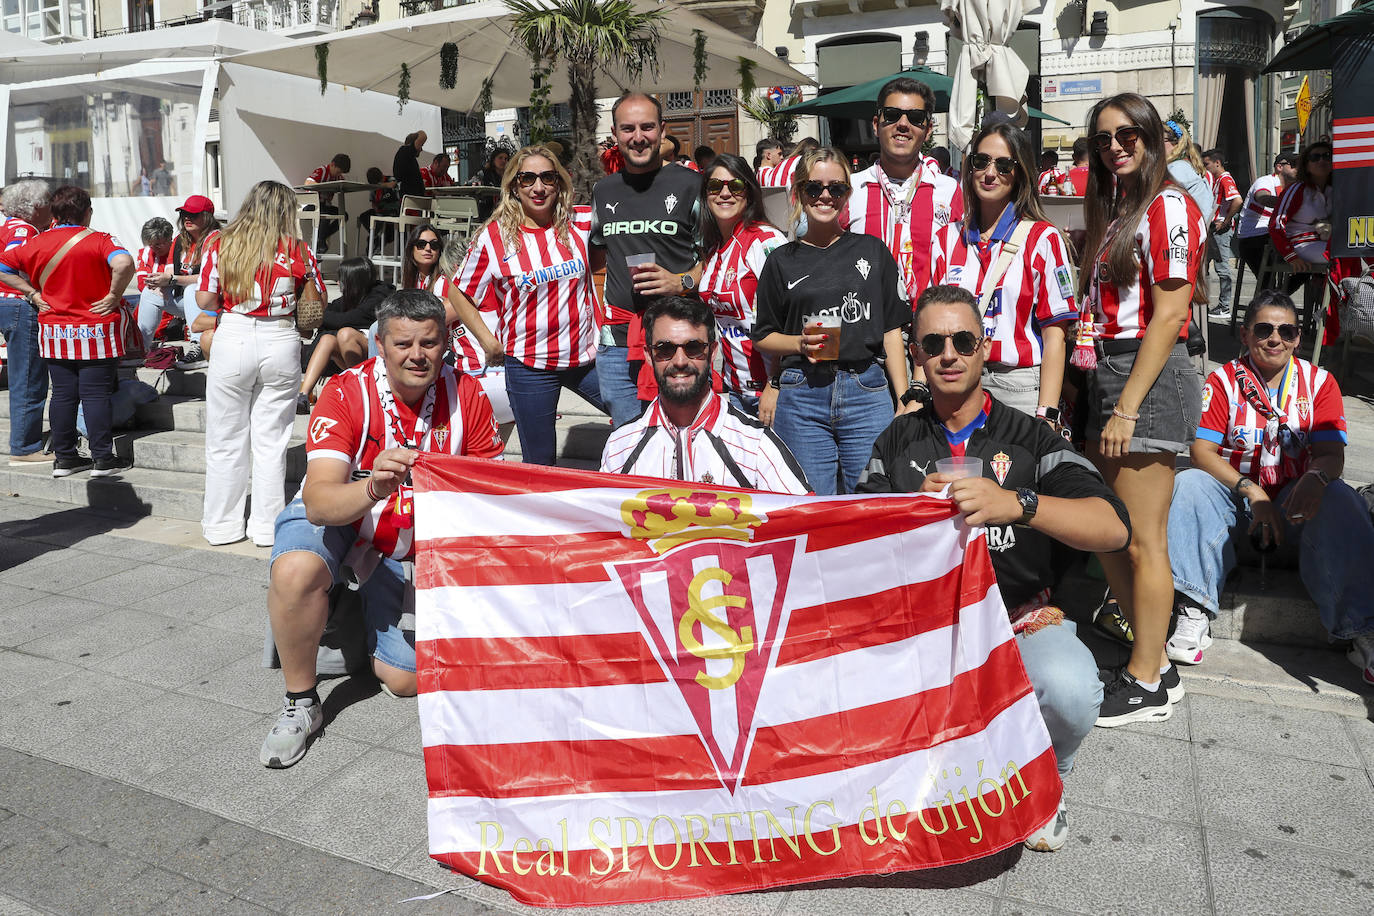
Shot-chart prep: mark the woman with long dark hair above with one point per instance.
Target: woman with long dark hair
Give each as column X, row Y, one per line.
column 1302, row 220
column 1016, row 264
column 420, row 263
column 736, row 241
column 343, row 327
column 1142, row 269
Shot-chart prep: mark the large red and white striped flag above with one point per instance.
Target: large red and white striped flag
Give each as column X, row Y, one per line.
column 635, row 689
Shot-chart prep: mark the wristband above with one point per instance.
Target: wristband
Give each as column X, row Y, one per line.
column 1130, row 418
column 371, row 494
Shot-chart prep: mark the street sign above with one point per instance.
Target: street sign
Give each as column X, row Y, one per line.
column 1304, row 105
column 779, row 94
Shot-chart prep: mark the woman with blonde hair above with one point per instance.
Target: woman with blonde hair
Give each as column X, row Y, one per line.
column 532, row 265
column 254, row 272
column 1185, row 166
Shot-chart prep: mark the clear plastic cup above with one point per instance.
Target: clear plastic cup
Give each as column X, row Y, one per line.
column 959, row 468
column 830, row 326
column 633, row 261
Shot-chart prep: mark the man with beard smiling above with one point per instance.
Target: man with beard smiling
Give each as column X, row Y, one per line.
column 689, row 432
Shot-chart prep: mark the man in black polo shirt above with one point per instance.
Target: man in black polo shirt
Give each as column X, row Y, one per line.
column 1034, row 490
column 646, row 209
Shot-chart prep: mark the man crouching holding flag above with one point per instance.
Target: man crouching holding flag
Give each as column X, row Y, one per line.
column 1033, row 489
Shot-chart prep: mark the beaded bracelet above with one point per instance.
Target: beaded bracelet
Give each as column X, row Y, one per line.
column 1116, row 412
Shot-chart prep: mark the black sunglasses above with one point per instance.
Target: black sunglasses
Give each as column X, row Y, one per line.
column 1126, row 136
column 736, row 185
column 527, row 179
column 1263, row 329
column 980, row 161
column 916, row 117
column 965, row 343
column 665, row 350
column 814, row 189
column 431, row 244
column 1318, row 156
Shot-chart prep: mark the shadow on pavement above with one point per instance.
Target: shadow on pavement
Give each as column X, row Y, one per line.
column 32, row 538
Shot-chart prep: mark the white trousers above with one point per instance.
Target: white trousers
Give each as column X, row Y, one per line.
column 250, row 402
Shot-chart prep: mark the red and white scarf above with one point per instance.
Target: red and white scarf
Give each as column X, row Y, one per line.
column 1256, row 394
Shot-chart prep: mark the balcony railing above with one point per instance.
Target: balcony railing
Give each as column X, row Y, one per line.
column 150, row 26
column 296, row 17
column 419, row 7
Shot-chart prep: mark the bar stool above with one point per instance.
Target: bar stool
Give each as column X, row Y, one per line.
column 308, row 216
column 415, row 211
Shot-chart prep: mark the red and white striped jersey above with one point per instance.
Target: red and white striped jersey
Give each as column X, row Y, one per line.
column 1050, row 181
column 905, row 216
column 1313, row 412
column 468, row 355
column 1036, row 290
column 436, row 179
column 729, row 281
column 653, row 447
column 275, row 286
column 1254, row 217
column 13, row 233
column 68, row 329
column 541, row 291
column 350, row 424
column 1170, row 242
column 1224, row 191
column 147, row 262
column 780, row 175
column 1300, row 208
column 322, row 174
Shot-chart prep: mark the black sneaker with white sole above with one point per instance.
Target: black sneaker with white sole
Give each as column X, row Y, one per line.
column 66, row 467
column 1172, row 684
column 1125, row 701
column 109, row 467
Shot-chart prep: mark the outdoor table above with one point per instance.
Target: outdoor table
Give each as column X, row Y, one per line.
column 341, row 187
column 464, row 190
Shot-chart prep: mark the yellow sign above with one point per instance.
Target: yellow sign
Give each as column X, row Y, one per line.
column 1304, row 105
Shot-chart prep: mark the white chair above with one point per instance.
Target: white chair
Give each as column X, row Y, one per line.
column 456, row 216
column 415, row 211
column 308, row 216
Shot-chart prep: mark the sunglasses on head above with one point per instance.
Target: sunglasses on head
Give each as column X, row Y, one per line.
column 431, row 244
column 1126, row 136
column 965, row 343
column 527, row 179
column 665, row 350
column 980, row 161
column 814, row 189
column 1263, row 329
column 916, row 117
column 1319, row 156
column 716, row 185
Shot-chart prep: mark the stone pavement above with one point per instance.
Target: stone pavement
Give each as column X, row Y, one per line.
column 132, row 706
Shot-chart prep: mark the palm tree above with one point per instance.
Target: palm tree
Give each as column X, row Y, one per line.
column 591, row 36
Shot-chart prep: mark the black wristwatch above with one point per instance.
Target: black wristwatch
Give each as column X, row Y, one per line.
column 1242, row 484
column 916, row 391
column 1030, row 502
column 688, row 284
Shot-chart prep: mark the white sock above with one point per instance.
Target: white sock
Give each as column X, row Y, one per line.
column 1165, row 669
column 1150, row 687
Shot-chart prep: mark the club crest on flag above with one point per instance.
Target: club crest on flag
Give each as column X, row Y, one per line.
column 1001, row 464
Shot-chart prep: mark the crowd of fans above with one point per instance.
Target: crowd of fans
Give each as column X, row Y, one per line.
column 904, row 314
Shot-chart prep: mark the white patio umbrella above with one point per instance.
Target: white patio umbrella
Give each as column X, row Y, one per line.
column 370, row 58
column 985, row 27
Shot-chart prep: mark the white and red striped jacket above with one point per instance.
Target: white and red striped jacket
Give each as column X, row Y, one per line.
column 1254, row 216
column 1300, row 208
column 907, row 230
column 1224, row 191
column 275, row 286
column 1036, row 290
column 729, row 281
column 722, row 446
column 780, row 175
column 541, row 291
column 147, row 262
column 1170, row 242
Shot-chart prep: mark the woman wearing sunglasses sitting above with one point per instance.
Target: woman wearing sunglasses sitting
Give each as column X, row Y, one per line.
column 736, row 241
column 419, row 265
column 1016, row 264
column 1301, row 224
column 531, row 263
column 1143, row 257
column 1267, row 463
column 834, row 396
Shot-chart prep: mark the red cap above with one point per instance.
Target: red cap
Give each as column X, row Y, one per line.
column 197, row 203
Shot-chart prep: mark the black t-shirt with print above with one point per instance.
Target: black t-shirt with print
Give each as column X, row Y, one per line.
column 854, row 277
column 645, row 213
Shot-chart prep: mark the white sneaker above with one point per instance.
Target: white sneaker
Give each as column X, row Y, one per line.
column 289, row 738
column 1052, row 836
column 1361, row 655
column 1190, row 637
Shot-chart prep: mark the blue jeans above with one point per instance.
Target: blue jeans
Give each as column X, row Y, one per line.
column 1063, row 674
column 28, row 375
column 1225, row 276
column 830, row 419
column 1334, row 548
column 152, row 302
column 746, row 402
column 619, row 392
column 533, row 397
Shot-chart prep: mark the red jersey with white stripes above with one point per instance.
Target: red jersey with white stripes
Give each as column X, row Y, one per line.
column 1036, row 290
column 905, row 215
column 1169, row 242
column 1299, row 210
column 1224, row 191
column 541, row 290
column 275, row 286
column 434, row 178
column 1308, row 399
column 780, row 175
column 13, row 233
column 322, row 174
column 468, row 355
column 146, row 262
column 729, row 280
column 1051, row 180
column 357, row 418
column 1254, row 216
column 68, row 329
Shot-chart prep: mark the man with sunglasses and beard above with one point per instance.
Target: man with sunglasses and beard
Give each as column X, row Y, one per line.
column 689, row 432
column 1034, row 490
column 902, row 199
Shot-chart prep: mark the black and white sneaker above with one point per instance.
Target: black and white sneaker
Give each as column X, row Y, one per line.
column 1172, row 684
column 66, row 467
column 111, row 466
column 1125, row 701
column 194, row 358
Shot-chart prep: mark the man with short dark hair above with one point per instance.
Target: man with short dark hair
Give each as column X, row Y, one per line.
column 1228, row 199
column 353, row 519
column 903, row 200
column 335, row 169
column 648, row 213
column 1252, row 228
column 1033, row 489
column 436, row 173
column 690, row 432
column 767, row 153
column 1053, row 179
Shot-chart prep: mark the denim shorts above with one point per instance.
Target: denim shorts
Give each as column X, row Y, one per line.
column 1170, row 412
column 390, row 639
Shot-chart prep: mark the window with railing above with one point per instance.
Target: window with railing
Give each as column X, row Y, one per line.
column 47, row 19
column 297, row 16
column 419, row 7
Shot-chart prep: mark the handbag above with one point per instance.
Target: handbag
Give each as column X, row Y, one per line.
column 309, row 308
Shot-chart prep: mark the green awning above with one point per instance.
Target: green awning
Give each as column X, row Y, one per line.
column 861, row 101
column 1312, row 49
